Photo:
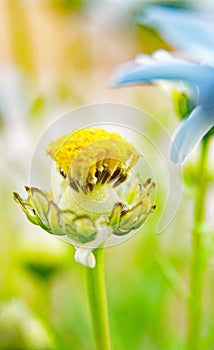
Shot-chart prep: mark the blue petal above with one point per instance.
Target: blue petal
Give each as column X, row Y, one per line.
column 190, row 133
column 183, row 29
column 181, row 70
column 207, row 95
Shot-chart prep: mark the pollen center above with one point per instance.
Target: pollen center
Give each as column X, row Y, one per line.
column 100, row 193
column 93, row 157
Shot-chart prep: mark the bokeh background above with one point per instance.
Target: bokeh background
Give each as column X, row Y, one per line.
column 56, row 55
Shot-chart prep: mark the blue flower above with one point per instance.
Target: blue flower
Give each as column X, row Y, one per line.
column 183, row 29
column 198, row 77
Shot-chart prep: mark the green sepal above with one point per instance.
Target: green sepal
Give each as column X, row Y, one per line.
column 132, row 194
column 85, row 229
column 140, row 221
column 66, row 221
column 27, row 209
column 53, row 219
column 115, row 215
column 41, row 204
column 130, row 217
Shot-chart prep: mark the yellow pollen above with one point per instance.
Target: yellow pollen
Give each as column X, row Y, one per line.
column 91, row 156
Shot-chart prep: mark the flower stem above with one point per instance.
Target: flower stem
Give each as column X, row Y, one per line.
column 198, row 258
column 97, row 302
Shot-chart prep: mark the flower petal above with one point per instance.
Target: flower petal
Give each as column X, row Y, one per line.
column 182, row 70
column 190, row 133
column 188, row 30
column 207, row 95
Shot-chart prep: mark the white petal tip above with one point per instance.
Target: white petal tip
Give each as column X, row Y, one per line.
column 85, row 257
column 177, row 158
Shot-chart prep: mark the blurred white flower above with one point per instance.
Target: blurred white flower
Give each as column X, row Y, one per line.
column 21, row 329
column 15, row 101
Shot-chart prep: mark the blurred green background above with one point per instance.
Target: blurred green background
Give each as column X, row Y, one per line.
column 55, row 56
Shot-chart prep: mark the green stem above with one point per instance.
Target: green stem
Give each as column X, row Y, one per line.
column 198, row 258
column 97, row 302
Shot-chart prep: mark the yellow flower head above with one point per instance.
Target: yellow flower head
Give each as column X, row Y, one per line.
column 92, row 157
column 90, row 208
